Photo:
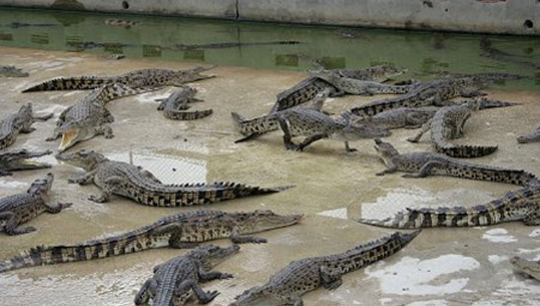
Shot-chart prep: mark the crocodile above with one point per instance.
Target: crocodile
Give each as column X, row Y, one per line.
column 308, row 88
column 12, row 72
column 316, row 125
column 526, row 267
column 520, row 205
column 423, row 164
column 21, row 122
column 448, row 124
column 433, row 93
column 21, row 208
column 533, row 137
column 256, row 127
column 287, row 285
column 183, row 230
column 139, row 185
column 119, row 22
column 16, row 160
column 143, row 78
column 175, row 281
column 89, row 117
column 223, row 45
column 173, row 107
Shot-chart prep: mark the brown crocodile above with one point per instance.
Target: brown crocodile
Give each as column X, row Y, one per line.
column 17, row 160
column 520, row 205
column 23, row 207
column 175, row 281
column 287, row 286
column 423, row 164
column 448, row 124
column 143, row 78
column 134, row 183
column 526, row 267
column 533, row 137
column 21, row 122
column 12, row 72
column 175, row 105
column 184, row 230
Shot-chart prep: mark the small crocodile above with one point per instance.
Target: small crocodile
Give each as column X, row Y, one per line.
column 21, row 208
column 448, row 124
column 223, row 45
column 175, row 281
column 12, row 72
column 132, row 182
column 142, row 78
column 16, row 160
column 316, row 125
column 287, row 286
column 526, row 267
column 433, row 93
column 119, row 22
column 21, row 122
column 533, row 137
column 252, row 128
column 184, row 230
column 173, row 107
column 423, row 164
column 520, row 205
column 308, row 88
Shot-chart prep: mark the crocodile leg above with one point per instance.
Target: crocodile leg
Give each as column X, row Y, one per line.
column 348, row 148
column 150, row 176
column 147, row 291
column 294, row 300
column 311, row 139
column 57, row 208
column 107, row 189
column 12, row 227
column 426, row 127
column 330, row 280
column 284, row 124
column 43, row 117
column 426, row 170
column 207, row 276
column 105, row 130
column 204, row 297
column 413, row 122
column 235, row 238
column 390, row 169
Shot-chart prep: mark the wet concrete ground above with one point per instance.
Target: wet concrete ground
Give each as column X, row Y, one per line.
column 441, row 267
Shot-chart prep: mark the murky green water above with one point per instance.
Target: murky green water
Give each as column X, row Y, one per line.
column 158, row 37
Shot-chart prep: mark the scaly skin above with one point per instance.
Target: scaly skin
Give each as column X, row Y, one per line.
column 288, row 285
column 16, row 160
column 448, row 124
column 173, row 107
column 533, row 137
column 527, row 267
column 184, row 230
column 12, row 72
column 21, row 208
column 139, row 185
column 520, row 205
column 175, row 281
column 21, row 122
column 423, row 164
column 143, row 78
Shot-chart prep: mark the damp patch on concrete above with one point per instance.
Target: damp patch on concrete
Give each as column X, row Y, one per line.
column 499, row 235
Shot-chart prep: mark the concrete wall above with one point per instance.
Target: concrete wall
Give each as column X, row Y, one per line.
column 489, row 16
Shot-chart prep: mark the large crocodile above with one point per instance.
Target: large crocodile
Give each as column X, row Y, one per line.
column 308, row 88
column 21, row 208
column 143, row 78
column 174, row 106
column 21, row 122
column 287, row 286
column 521, row 205
column 132, row 182
column 423, row 164
column 17, row 160
column 184, row 230
column 526, row 267
column 175, row 281
column 533, row 137
column 448, row 124
column 12, row 72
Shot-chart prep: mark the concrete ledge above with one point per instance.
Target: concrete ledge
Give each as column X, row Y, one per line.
column 487, row 16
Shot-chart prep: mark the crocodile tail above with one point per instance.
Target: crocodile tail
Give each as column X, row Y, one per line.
column 255, row 127
column 467, row 151
column 228, row 190
column 74, row 83
column 182, row 115
column 238, row 118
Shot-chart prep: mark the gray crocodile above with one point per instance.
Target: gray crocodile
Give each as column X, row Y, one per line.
column 119, row 22
column 520, row 205
column 308, row 88
column 175, row 105
column 423, row 164
column 175, row 281
column 448, row 124
column 21, row 208
column 184, row 230
column 316, row 125
column 17, row 160
column 139, row 185
column 12, row 72
column 287, row 286
column 526, row 267
column 224, row 45
column 21, row 122
column 533, row 137
column 142, row 78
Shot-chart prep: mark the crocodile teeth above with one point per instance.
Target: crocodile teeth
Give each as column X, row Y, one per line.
column 67, row 140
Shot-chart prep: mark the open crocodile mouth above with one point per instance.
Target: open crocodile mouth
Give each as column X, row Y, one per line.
column 68, row 138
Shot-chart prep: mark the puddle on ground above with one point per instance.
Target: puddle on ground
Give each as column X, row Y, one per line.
column 499, row 235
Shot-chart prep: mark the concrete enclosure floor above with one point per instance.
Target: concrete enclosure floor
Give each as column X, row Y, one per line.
column 467, row 266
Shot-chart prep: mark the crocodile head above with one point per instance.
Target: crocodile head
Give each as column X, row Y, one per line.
column 262, row 220
column 325, row 74
column 41, row 186
column 12, row 71
column 210, row 255
column 18, row 159
column 87, row 160
column 534, row 137
column 527, row 267
column 386, row 150
column 192, row 75
column 74, row 132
